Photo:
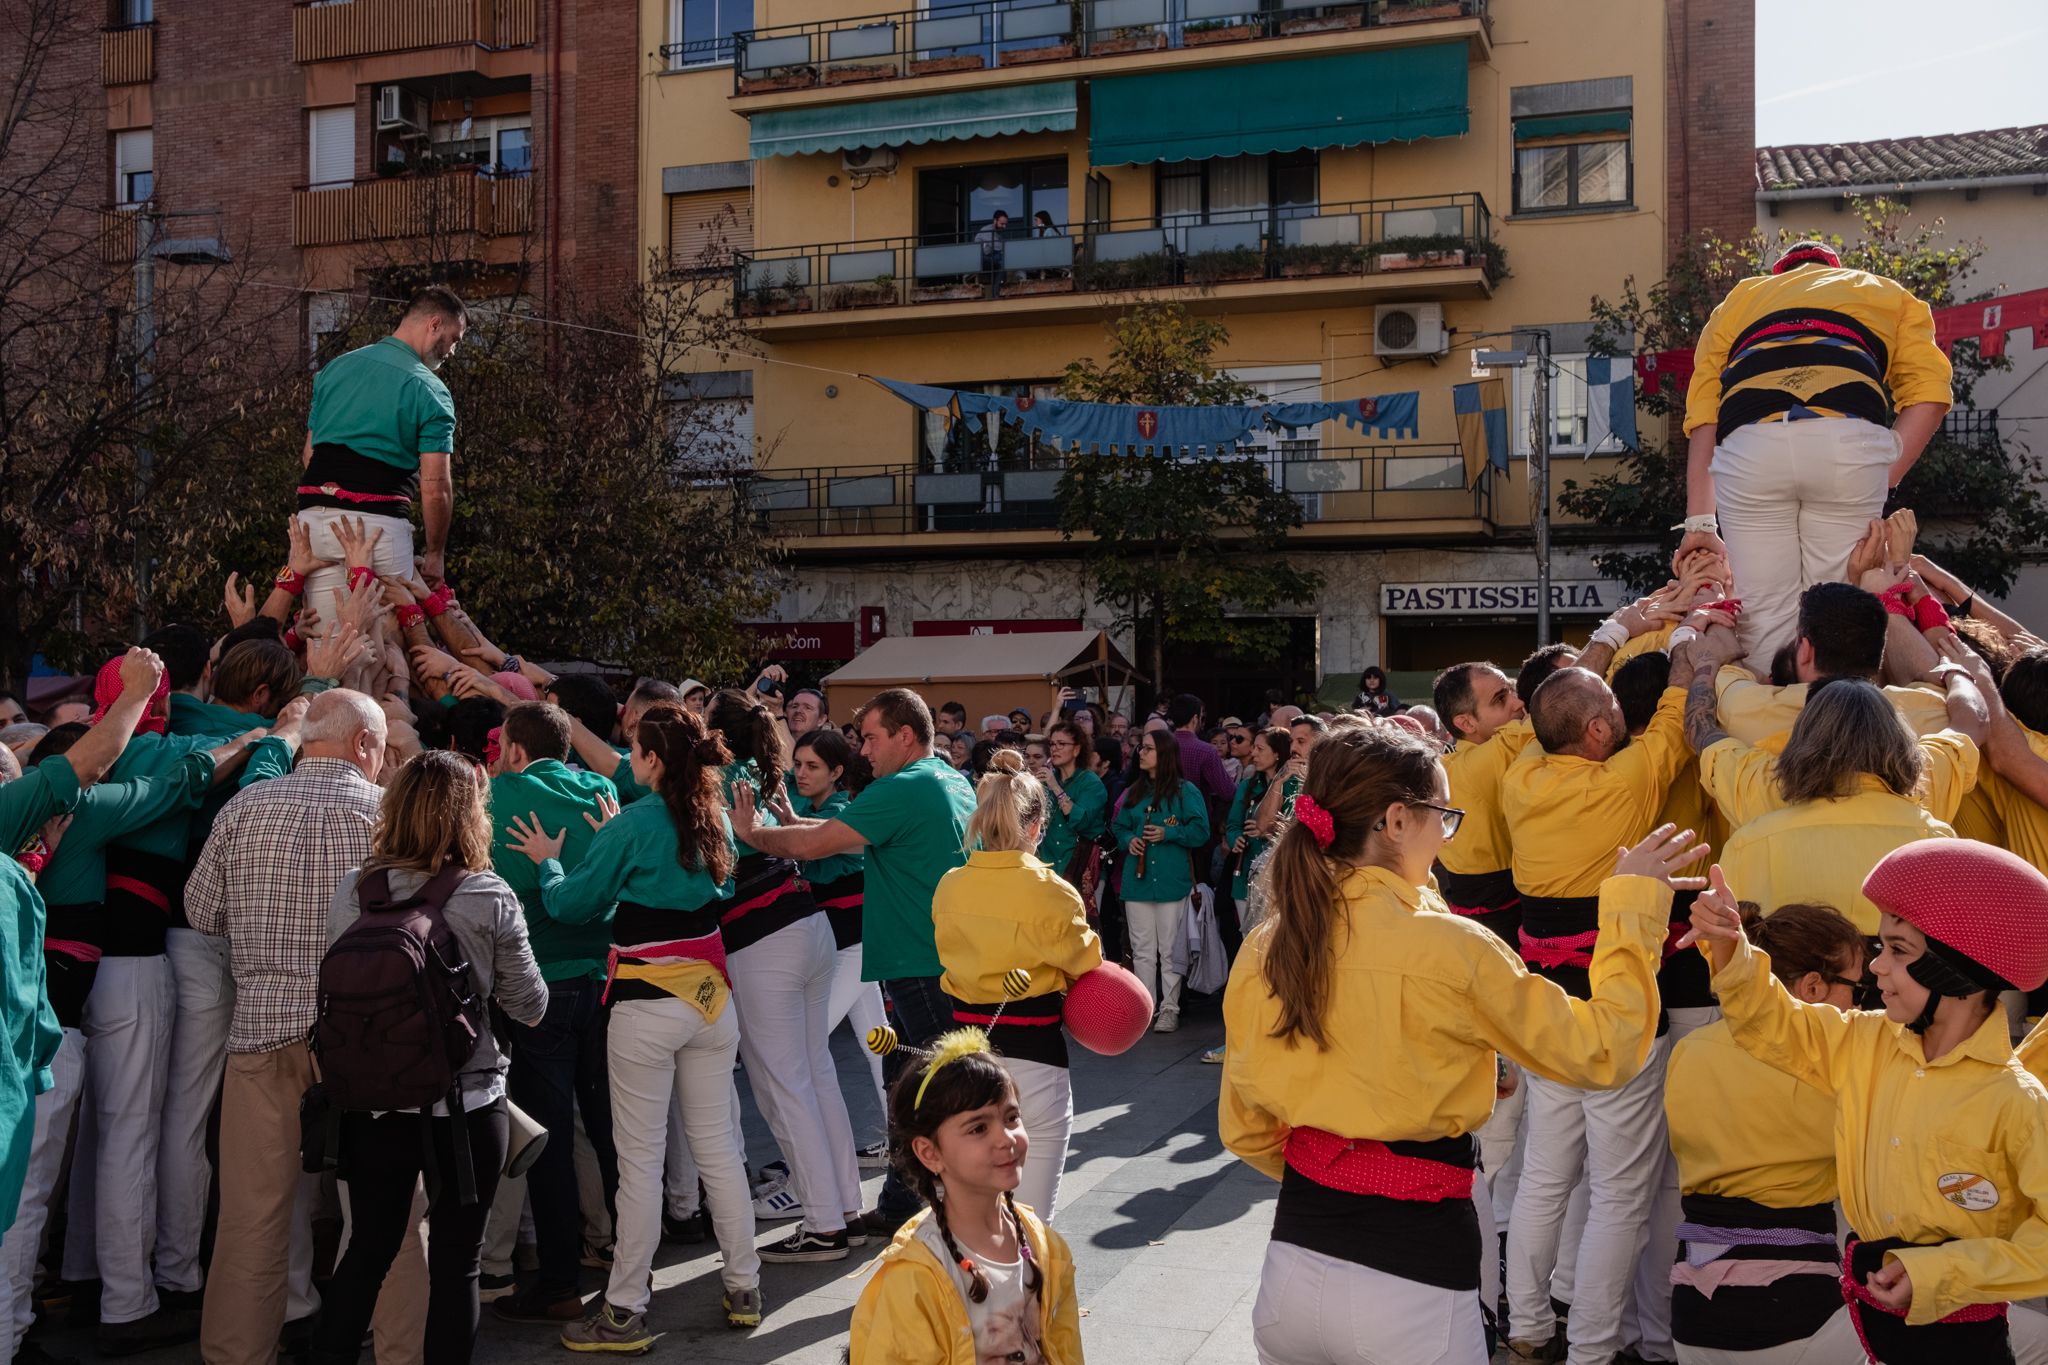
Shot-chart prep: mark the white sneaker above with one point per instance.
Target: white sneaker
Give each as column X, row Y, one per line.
column 777, row 1204
column 875, row 1156
column 1167, row 1022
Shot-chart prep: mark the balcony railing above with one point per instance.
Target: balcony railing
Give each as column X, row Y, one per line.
column 1971, row 427
column 454, row 202
column 1350, row 484
column 327, row 30
column 128, row 55
column 117, row 236
column 1373, row 237
column 978, row 34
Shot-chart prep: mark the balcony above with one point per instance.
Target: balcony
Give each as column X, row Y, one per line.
column 1397, row 490
column 1436, row 247
column 117, row 237
column 332, row 30
column 1007, row 35
column 128, row 55
column 454, row 203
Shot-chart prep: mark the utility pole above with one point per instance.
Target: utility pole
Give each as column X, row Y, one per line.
column 145, row 363
column 1539, row 477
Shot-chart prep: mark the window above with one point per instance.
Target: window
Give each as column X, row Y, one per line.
column 955, row 202
column 706, row 227
column 1567, row 409
column 330, row 147
column 326, row 319
column 135, row 12
column 711, row 421
column 700, row 31
column 515, row 150
column 134, row 180
column 1239, row 189
column 1572, row 145
column 997, row 446
column 1560, row 177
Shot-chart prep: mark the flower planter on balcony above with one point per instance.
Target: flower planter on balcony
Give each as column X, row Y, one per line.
column 1062, row 284
column 1224, row 266
column 1417, row 260
column 939, row 66
column 758, row 304
column 937, row 293
column 791, row 78
column 1324, row 23
column 1134, row 42
column 1418, row 14
column 1229, row 33
column 860, row 296
column 1058, row 52
column 853, row 75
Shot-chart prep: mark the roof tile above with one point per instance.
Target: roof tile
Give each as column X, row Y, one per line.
column 1904, row 161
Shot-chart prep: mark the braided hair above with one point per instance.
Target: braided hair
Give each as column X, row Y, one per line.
column 920, row 1101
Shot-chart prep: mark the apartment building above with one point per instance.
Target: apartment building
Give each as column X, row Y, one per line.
column 1363, row 192
column 332, row 143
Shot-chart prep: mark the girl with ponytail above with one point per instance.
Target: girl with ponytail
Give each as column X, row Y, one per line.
column 662, row 871
column 782, row 969
column 977, row 1275
column 1002, row 913
column 1366, row 1024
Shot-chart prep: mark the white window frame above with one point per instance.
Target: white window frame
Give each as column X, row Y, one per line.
column 126, row 143
column 335, row 121
column 1567, row 395
column 675, row 34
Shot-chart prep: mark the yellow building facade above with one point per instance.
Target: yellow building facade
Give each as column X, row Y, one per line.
column 1363, row 193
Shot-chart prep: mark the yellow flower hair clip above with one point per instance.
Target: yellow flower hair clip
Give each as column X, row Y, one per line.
column 951, row 1047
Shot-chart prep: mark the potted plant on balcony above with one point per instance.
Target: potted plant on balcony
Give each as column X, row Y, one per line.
column 1137, row 272
column 1419, row 11
column 971, row 288
column 1040, row 282
column 1233, row 263
column 1206, row 31
column 1134, row 39
column 1420, row 253
column 780, row 78
column 939, row 66
column 1323, row 23
column 875, row 293
column 857, row 72
column 1302, row 260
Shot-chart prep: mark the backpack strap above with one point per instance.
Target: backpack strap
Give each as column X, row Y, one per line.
column 374, row 894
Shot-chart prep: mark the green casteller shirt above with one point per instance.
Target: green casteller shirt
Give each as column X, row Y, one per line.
column 1065, row 830
column 635, row 857
column 1169, row 864
column 559, row 796
column 915, row 824
column 149, row 755
column 382, row 402
column 26, row 1019
column 216, row 725
column 833, row 807
column 629, row 786
column 1243, row 806
column 162, row 782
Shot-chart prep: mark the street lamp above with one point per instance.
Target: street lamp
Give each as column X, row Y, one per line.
column 1539, row 451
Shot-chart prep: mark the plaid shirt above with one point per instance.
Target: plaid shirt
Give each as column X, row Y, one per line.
column 265, row 880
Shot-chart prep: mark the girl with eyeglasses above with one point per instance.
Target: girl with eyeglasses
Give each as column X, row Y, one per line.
column 1161, row 821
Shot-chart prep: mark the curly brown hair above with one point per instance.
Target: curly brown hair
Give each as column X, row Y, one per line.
column 690, row 759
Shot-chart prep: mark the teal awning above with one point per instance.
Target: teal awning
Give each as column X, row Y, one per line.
column 1343, row 100
column 1047, row 107
column 1563, row 125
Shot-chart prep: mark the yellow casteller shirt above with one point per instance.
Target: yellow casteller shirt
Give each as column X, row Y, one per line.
column 1000, row 911
column 1820, row 851
column 1743, row 778
column 1569, row 814
column 1484, row 842
column 1954, row 1150
column 1744, row 1129
column 1420, row 1002
column 912, row 1312
column 2021, row 819
column 1757, row 713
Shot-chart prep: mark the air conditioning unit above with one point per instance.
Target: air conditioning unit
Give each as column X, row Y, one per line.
column 869, row 160
column 1409, row 329
column 401, row 110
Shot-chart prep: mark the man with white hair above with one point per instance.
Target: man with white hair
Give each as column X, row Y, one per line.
column 264, row 880
column 994, row 724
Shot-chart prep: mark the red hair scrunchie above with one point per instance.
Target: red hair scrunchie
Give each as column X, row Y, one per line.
column 1309, row 813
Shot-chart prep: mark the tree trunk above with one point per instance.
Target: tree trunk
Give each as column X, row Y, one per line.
column 1158, row 646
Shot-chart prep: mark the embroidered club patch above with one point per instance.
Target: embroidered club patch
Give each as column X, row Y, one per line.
column 1967, row 1191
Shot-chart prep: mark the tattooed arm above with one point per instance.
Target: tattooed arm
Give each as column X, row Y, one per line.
column 1702, row 709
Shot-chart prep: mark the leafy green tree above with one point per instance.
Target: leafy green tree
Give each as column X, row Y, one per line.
column 1187, row 544
column 1978, row 499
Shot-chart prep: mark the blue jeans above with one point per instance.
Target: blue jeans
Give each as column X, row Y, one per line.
column 558, row 1067
column 922, row 1014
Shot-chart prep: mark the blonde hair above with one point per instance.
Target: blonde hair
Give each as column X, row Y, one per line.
column 433, row 813
column 1006, row 804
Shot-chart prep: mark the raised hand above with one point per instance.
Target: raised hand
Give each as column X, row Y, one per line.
column 240, row 600
column 358, row 542
column 1661, row 853
column 141, row 671
column 299, row 557
column 536, row 843
column 607, row 810
column 331, row 655
column 1716, row 918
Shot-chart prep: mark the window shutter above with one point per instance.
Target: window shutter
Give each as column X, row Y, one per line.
column 331, row 146
column 697, row 221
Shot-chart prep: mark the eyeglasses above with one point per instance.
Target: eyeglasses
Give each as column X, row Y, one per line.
column 1453, row 817
column 1864, row 990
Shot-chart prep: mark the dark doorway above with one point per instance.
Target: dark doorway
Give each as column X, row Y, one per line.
column 1234, row 683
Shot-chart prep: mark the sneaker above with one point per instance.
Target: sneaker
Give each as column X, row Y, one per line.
column 804, row 1245
column 691, row 1230
column 493, row 1287
column 856, row 1230
column 1214, row 1056
column 540, row 1305
column 773, row 1176
column 1550, row 1350
column 33, row 1352
column 185, row 1300
column 875, row 1156
column 1167, row 1022
column 742, row 1308
column 608, row 1329
column 164, row 1327
column 597, row 1257
column 778, row 1205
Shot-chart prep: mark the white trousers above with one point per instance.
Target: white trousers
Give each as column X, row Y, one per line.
column 652, row 1045
column 1500, row 1148
column 1045, row 1098
column 1834, row 1344
column 860, row 1004
column 1157, row 930
column 1624, row 1142
column 1314, row 1309
column 1648, row 1325
column 783, row 986
column 1793, row 498
column 127, row 1022
column 679, row 1170
column 23, row 1244
column 205, row 1005
column 393, row 554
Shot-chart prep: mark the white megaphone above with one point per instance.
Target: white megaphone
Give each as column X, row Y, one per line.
column 525, row 1140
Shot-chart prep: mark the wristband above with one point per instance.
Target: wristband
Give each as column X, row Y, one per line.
column 292, row 641
column 409, row 615
column 1706, row 521
column 1963, row 607
column 1611, row 633
column 310, row 686
column 1894, row 599
column 1929, row 614
column 1683, row 635
column 360, row 574
column 291, row 580
column 439, row 600
column 513, row 664
column 33, row 862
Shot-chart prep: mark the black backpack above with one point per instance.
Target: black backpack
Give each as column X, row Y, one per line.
column 399, row 1016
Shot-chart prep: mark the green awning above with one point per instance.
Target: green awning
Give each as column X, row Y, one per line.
column 990, row 111
column 1563, row 125
column 1343, row 100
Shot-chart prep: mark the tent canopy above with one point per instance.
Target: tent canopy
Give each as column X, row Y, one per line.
column 984, row 673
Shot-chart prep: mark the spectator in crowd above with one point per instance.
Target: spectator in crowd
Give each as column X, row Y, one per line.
column 1199, row 762
column 1161, row 821
column 951, row 719
column 805, row 711
column 994, row 724
column 1020, row 720
column 1373, row 696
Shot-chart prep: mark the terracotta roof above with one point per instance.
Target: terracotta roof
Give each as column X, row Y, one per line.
column 1904, row 160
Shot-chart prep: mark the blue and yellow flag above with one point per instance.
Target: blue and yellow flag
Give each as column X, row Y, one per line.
column 1481, row 408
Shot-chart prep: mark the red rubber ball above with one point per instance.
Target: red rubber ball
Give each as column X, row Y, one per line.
column 1108, row 1010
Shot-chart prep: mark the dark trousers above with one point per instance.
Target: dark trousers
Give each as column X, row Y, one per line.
column 381, row 1160
column 558, row 1067
column 922, row 1014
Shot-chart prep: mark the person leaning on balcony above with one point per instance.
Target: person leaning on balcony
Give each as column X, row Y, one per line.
column 1814, row 390
column 381, row 422
column 990, row 240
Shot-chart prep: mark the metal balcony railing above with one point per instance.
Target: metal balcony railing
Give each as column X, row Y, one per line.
column 973, row 35
column 1972, row 427
column 1348, row 484
column 1369, row 237
column 328, row 30
column 128, row 54
column 452, row 202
